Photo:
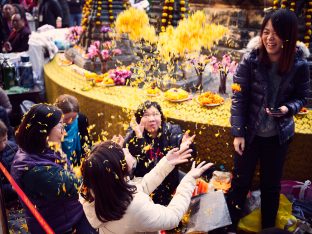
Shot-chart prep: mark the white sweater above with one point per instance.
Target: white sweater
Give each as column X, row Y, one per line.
column 143, row 215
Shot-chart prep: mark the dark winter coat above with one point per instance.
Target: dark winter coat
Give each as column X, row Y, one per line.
column 83, row 125
column 51, row 188
column 75, row 6
column 149, row 151
column 19, row 40
column 248, row 105
column 6, row 158
column 49, row 10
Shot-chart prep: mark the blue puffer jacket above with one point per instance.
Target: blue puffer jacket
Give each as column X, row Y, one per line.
column 248, row 105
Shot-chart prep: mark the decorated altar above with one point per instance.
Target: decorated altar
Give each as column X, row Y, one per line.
column 110, row 108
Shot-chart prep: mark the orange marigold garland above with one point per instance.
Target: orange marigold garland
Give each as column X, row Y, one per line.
column 308, row 16
column 292, row 5
column 164, row 16
column 284, row 4
column 275, row 4
column 182, row 9
column 110, row 11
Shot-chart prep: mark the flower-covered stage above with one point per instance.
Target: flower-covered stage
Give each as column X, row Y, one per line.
column 109, row 109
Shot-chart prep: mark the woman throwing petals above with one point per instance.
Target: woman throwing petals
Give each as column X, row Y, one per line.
column 149, row 139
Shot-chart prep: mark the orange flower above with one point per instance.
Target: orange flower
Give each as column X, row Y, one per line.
column 236, row 87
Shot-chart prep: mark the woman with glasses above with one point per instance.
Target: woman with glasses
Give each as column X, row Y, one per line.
column 42, row 171
column 149, row 138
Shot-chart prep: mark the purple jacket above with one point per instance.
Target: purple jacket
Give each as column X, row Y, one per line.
column 50, row 187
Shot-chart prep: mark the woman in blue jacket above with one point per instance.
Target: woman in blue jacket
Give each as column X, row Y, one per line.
column 274, row 81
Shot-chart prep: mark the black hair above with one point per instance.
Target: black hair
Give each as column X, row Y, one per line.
column 67, row 103
column 104, row 175
column 285, row 24
column 143, row 107
column 36, row 126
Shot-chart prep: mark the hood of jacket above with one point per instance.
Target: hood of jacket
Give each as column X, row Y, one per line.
column 24, row 161
column 255, row 43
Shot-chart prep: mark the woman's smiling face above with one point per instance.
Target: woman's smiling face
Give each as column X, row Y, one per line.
column 271, row 41
column 151, row 120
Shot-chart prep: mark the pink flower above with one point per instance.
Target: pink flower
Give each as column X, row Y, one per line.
column 226, row 60
column 116, row 51
column 92, row 51
column 96, row 44
column 105, row 54
column 226, row 65
column 120, row 75
column 233, row 67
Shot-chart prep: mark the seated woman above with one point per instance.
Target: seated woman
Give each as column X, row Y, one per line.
column 115, row 204
column 77, row 141
column 42, row 171
column 18, row 39
column 149, row 139
column 5, row 23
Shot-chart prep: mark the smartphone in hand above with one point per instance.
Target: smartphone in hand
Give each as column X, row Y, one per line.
column 275, row 111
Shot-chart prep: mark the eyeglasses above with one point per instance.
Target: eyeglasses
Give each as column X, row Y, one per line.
column 154, row 115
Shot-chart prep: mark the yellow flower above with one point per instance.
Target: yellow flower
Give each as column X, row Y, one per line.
column 236, row 87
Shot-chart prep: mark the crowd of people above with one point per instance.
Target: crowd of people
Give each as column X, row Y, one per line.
column 113, row 195
column 14, row 27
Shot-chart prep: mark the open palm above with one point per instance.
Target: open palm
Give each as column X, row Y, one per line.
column 177, row 156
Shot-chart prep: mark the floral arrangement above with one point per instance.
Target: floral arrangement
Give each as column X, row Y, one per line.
column 135, row 23
column 120, row 75
column 199, row 62
column 224, row 67
column 191, row 35
column 104, row 51
column 209, row 98
column 73, row 34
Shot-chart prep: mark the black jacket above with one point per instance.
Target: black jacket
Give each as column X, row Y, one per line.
column 83, row 125
column 75, row 6
column 19, row 40
column 248, row 105
column 149, row 151
column 49, row 10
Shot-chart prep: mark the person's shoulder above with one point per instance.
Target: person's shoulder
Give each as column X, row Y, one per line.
column 12, row 145
column 82, row 116
column 140, row 199
column 302, row 52
column 172, row 127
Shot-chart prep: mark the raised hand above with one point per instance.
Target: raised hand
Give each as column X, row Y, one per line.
column 177, row 156
column 196, row 172
column 187, row 140
column 119, row 140
column 137, row 128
